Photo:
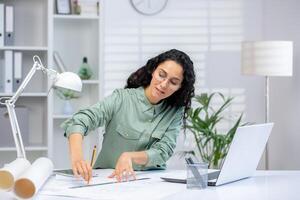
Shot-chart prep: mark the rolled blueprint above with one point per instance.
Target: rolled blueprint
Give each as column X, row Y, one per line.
column 11, row 172
column 33, row 179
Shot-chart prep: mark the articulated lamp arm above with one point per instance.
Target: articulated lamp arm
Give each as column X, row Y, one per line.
column 37, row 65
column 10, row 105
column 66, row 80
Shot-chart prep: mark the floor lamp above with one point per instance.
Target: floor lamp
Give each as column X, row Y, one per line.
column 267, row 58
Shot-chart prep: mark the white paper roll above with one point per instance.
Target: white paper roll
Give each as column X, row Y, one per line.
column 12, row 171
column 32, row 180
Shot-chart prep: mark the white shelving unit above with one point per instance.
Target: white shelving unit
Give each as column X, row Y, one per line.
column 30, row 38
column 75, row 37
column 24, row 48
column 76, row 17
column 28, row 94
column 41, row 33
column 61, row 116
column 90, row 82
column 27, row 148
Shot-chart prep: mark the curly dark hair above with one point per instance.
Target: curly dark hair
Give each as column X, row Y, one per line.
column 183, row 96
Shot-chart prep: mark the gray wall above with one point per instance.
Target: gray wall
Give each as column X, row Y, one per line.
column 281, row 22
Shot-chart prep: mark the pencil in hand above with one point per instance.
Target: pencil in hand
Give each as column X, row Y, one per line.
column 93, row 155
column 92, row 160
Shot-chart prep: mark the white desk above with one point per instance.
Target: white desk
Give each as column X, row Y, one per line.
column 265, row 185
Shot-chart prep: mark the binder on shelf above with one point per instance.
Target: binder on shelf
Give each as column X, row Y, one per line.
column 17, row 70
column 1, row 25
column 9, row 25
column 8, row 71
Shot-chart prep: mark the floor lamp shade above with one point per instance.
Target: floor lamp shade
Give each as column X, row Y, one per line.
column 267, row 58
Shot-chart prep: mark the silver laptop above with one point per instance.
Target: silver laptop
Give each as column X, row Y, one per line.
column 243, row 156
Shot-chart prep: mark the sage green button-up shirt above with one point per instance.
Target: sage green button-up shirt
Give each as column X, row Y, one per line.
column 131, row 123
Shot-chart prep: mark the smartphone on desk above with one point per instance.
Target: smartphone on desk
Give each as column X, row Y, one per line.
column 64, row 172
column 69, row 172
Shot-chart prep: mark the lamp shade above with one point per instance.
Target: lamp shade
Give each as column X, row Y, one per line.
column 68, row 80
column 267, row 58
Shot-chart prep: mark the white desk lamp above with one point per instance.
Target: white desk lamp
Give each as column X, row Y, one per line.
column 67, row 80
column 267, row 58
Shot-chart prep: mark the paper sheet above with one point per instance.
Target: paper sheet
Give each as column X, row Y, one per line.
column 10, row 172
column 60, row 186
column 60, row 182
column 31, row 181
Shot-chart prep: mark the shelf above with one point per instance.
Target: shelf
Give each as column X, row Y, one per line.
column 93, row 17
column 58, row 116
column 35, row 94
column 30, row 148
column 90, row 81
column 25, row 48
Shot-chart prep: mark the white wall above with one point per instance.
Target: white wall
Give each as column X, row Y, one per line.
column 281, row 22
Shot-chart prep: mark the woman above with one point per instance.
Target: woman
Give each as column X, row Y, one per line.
column 141, row 121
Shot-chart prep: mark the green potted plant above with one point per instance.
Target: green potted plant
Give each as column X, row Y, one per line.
column 66, row 95
column 212, row 144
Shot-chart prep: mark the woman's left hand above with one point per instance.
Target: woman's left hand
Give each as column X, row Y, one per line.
column 123, row 169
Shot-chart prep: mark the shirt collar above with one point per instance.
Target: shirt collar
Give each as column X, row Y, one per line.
column 145, row 103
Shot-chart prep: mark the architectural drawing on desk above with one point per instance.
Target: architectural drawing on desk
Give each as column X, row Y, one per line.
column 126, row 190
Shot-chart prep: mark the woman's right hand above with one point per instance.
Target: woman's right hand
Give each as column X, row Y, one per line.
column 80, row 167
